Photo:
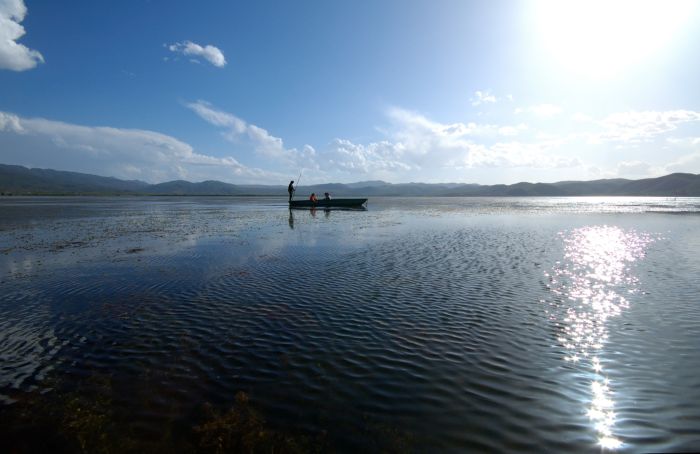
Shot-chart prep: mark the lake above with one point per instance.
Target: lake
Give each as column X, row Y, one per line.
column 429, row 324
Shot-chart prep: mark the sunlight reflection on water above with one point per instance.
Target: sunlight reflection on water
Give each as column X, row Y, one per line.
column 588, row 288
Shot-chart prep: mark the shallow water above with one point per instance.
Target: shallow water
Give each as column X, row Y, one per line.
column 431, row 324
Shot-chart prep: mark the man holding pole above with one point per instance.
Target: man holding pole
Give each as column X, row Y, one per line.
column 290, row 189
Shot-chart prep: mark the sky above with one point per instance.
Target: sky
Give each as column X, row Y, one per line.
column 397, row 90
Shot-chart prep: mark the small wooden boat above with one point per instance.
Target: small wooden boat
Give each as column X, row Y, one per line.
column 323, row 203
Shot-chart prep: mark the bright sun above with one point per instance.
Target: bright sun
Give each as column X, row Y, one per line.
column 601, row 38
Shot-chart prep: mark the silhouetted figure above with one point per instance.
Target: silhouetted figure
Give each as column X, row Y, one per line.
column 327, row 196
column 290, row 190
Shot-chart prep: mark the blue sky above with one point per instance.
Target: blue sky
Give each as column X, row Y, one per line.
column 440, row 91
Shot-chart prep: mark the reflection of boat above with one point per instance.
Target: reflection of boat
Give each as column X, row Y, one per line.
column 333, row 203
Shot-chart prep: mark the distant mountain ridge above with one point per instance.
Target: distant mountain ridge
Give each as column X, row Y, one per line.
column 19, row 180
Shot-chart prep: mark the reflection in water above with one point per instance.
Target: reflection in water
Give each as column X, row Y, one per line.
column 588, row 289
column 312, row 211
column 326, row 212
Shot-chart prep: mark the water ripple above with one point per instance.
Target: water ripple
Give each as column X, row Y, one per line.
column 421, row 324
column 590, row 286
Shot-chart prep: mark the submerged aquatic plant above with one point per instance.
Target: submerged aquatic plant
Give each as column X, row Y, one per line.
column 242, row 429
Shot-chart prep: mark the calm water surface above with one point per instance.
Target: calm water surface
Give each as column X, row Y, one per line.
column 433, row 324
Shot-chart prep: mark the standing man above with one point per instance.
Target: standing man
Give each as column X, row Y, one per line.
column 290, row 190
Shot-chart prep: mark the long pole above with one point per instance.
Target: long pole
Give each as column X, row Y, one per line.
column 298, row 180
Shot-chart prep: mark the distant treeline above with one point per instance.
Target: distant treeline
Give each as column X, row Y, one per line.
column 18, row 180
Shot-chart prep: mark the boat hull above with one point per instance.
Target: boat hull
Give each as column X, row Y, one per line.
column 333, row 203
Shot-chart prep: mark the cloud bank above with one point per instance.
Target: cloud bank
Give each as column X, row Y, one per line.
column 415, row 148
column 410, row 147
column 123, row 153
column 421, row 143
column 209, row 53
column 15, row 56
column 635, row 127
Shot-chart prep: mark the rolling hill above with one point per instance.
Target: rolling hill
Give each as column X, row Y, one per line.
column 18, row 180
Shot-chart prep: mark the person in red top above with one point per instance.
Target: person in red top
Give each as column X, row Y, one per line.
column 313, row 197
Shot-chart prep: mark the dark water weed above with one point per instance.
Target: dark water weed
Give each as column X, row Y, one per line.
column 242, row 429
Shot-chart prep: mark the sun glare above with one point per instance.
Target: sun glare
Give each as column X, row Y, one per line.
column 588, row 286
column 601, row 38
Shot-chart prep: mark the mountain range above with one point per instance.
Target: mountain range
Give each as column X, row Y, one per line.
column 19, row 180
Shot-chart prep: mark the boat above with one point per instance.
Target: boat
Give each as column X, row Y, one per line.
column 332, row 203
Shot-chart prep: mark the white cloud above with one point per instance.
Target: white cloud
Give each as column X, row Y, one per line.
column 641, row 126
column 545, row 110
column 411, row 147
column 422, row 146
column 15, row 56
column 218, row 117
column 414, row 147
column 684, row 141
column 240, row 132
column 123, row 153
column 379, row 157
column 509, row 131
column 421, row 135
column 210, row 53
column 517, row 154
column 10, row 122
column 483, row 97
column 340, row 157
column 469, row 143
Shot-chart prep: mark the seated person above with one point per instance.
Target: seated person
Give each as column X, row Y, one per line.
column 313, row 197
column 327, row 196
